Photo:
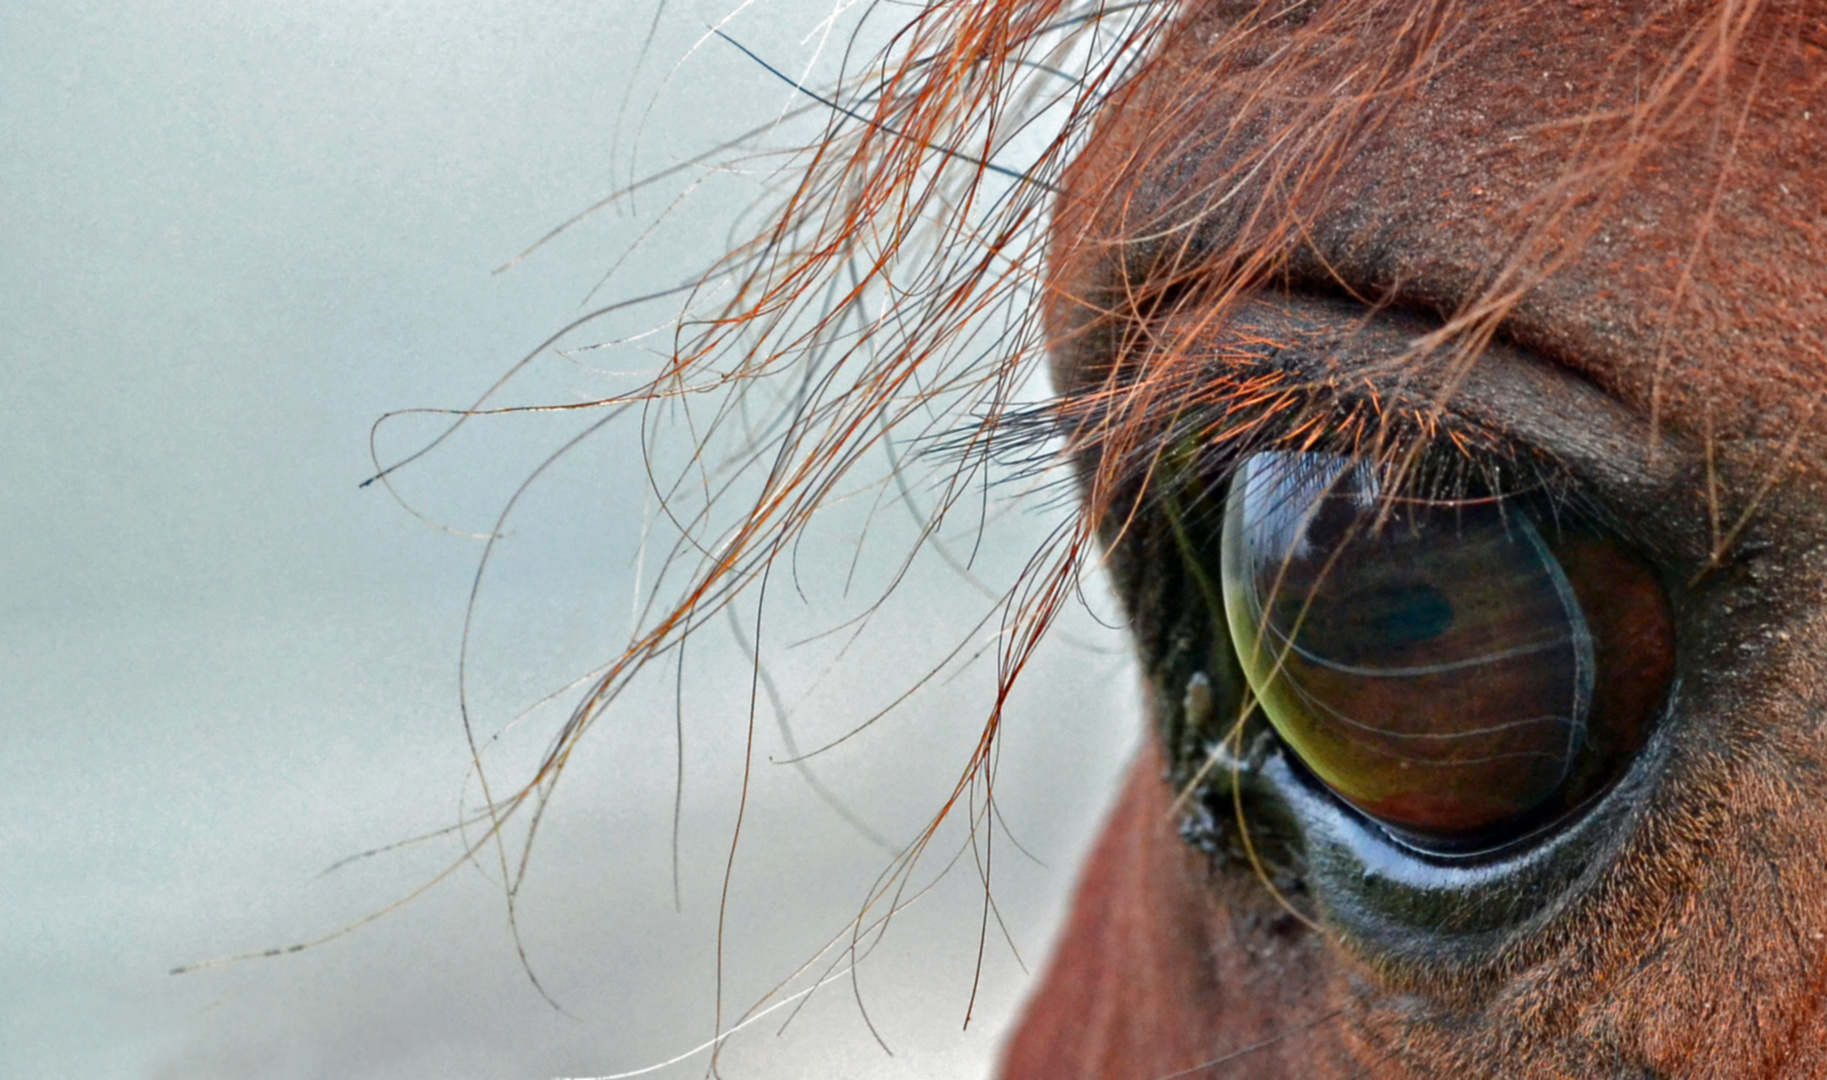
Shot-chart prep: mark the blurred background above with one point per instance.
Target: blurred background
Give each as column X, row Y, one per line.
column 236, row 234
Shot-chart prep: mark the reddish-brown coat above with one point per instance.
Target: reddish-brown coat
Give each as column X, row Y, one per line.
column 1688, row 281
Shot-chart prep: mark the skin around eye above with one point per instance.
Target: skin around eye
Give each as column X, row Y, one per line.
column 1440, row 664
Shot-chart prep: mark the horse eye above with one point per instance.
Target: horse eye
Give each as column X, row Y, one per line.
column 1460, row 670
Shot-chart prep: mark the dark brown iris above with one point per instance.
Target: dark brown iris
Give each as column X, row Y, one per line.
column 1449, row 667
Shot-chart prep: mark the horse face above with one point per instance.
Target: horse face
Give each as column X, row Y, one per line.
column 1583, row 234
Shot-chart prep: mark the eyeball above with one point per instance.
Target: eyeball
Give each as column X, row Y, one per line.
column 1454, row 669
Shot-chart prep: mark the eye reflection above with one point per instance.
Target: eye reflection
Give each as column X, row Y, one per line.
column 1433, row 662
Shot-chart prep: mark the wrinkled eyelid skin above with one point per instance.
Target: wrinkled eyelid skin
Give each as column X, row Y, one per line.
column 1648, row 486
column 1636, row 477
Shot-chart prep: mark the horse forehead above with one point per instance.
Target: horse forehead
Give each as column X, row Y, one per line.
column 1698, row 278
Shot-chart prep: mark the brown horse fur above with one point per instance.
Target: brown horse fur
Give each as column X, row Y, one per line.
column 1630, row 194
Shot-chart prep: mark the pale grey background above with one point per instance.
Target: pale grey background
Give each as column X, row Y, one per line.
column 234, row 234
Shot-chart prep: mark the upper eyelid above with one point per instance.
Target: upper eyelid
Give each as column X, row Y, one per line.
column 1508, row 396
column 1511, row 408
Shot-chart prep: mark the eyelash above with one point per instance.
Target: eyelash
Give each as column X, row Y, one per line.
column 1436, row 458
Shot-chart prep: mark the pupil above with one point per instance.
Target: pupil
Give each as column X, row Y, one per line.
column 1428, row 661
column 1405, row 614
